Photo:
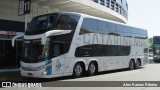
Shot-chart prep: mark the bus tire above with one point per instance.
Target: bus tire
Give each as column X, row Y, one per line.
column 131, row 65
column 77, row 70
column 138, row 64
column 91, row 69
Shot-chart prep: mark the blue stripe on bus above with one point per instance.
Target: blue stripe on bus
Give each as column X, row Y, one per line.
column 48, row 67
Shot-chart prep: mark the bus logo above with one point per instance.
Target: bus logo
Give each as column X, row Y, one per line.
column 58, row 65
column 6, row 84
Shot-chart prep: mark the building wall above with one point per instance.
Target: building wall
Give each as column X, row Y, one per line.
column 9, row 10
column 10, row 25
column 123, row 3
column 36, row 10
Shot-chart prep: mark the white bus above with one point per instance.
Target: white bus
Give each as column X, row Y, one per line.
column 68, row 43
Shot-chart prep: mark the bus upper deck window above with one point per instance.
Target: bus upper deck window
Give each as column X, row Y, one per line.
column 67, row 22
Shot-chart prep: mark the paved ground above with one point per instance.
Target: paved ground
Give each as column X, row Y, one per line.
column 9, row 75
column 15, row 74
column 150, row 72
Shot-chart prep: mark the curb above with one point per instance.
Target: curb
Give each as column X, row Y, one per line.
column 9, row 74
column 9, row 70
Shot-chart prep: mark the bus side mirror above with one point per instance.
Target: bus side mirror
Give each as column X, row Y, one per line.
column 43, row 40
column 15, row 37
column 52, row 33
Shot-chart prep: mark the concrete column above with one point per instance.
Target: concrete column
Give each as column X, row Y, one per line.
column 104, row 2
column 99, row 1
column 110, row 4
column 115, row 6
column 26, row 21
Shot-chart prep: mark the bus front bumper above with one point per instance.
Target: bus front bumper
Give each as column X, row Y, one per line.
column 35, row 74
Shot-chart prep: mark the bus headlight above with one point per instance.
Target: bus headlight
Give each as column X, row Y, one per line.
column 43, row 73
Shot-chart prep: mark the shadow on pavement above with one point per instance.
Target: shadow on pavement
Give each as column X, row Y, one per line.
column 151, row 61
column 15, row 76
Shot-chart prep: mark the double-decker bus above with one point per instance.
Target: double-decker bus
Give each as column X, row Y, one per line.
column 156, row 48
column 68, row 43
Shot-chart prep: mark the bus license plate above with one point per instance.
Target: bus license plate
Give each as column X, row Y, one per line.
column 30, row 74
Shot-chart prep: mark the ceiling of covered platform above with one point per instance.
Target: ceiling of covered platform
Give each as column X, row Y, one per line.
column 81, row 6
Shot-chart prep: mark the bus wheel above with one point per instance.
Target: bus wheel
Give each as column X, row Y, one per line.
column 77, row 71
column 131, row 65
column 91, row 69
column 137, row 64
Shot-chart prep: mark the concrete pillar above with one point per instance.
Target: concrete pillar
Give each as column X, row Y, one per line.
column 104, row 2
column 99, row 1
column 110, row 4
column 26, row 21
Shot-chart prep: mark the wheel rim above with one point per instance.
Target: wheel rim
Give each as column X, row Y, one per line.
column 132, row 65
column 138, row 64
column 92, row 68
column 78, row 69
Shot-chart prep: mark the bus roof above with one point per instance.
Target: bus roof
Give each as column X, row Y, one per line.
column 156, row 36
column 89, row 16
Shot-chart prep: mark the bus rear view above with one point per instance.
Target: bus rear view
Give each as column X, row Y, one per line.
column 156, row 48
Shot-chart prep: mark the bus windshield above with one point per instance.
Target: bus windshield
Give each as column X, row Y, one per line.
column 35, row 52
column 41, row 24
column 44, row 23
column 156, row 40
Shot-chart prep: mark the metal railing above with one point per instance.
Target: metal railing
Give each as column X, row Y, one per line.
column 113, row 5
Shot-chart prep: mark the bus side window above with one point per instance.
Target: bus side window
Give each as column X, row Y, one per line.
column 67, row 22
column 59, row 48
column 103, row 27
column 89, row 26
column 56, row 49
